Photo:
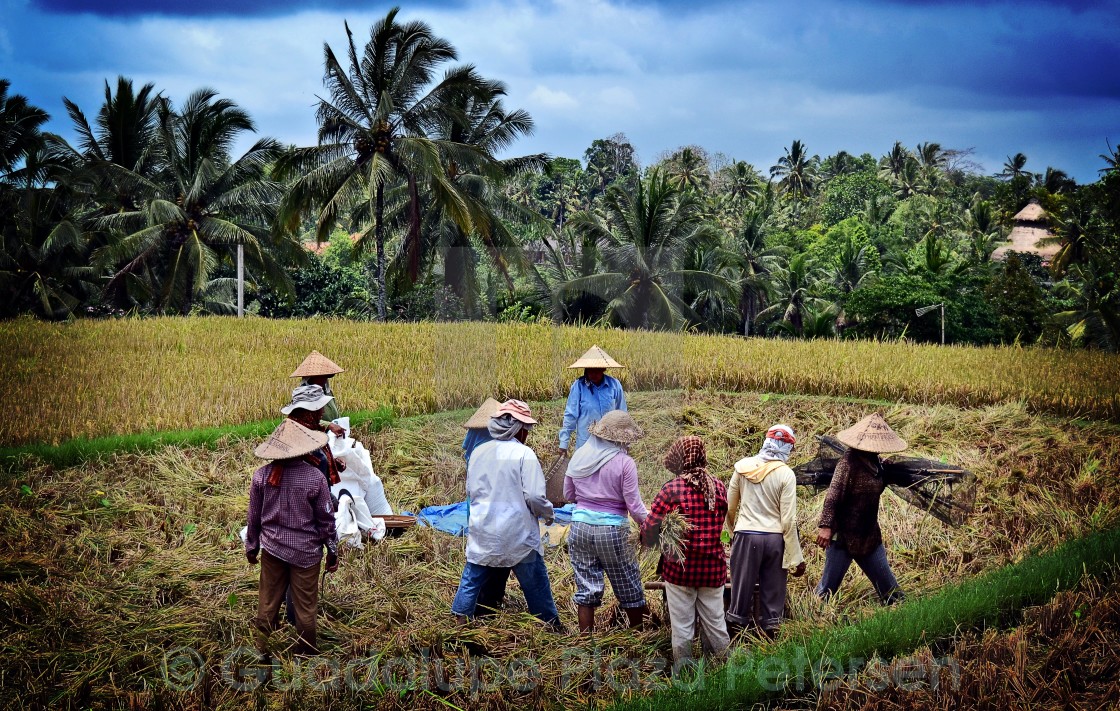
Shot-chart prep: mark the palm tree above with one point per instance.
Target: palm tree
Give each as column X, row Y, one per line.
column 477, row 119
column 819, row 322
column 374, row 132
column 755, row 262
column 796, row 171
column 20, row 126
column 853, row 267
column 643, row 238
column 793, row 288
column 196, row 209
column 687, row 169
column 910, row 180
column 1014, row 167
column 43, row 253
column 1094, row 319
column 1057, row 181
column 1111, row 159
column 891, row 165
column 741, row 181
column 842, row 163
column 982, row 229
column 126, row 135
column 931, row 156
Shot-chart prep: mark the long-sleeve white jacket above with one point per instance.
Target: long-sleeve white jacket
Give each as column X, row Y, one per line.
column 762, row 496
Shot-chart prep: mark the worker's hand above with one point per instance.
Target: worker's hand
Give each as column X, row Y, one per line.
column 824, row 537
column 337, row 429
column 332, row 562
column 799, row 570
column 561, row 452
column 340, row 465
column 251, row 556
column 549, row 521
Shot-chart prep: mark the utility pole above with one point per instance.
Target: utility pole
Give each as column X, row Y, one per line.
column 240, row 280
column 926, row 309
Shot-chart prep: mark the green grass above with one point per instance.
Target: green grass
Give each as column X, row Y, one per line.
column 989, row 599
column 77, row 451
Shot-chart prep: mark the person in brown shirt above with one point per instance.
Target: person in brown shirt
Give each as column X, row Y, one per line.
column 849, row 524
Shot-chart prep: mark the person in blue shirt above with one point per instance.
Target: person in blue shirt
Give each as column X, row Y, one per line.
column 592, row 396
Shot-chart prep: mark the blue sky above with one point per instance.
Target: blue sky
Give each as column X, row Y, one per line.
column 743, row 78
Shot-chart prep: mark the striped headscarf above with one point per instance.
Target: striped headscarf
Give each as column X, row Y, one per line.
column 688, row 459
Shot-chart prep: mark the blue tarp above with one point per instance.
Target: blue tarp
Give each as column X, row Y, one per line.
column 453, row 518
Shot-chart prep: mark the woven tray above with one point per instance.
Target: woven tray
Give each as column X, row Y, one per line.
column 554, row 480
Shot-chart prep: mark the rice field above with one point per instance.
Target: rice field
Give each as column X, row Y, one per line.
column 118, row 577
column 1062, row 655
column 95, row 378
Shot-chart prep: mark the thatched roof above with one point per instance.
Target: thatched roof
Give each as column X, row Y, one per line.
column 1033, row 212
column 1025, row 239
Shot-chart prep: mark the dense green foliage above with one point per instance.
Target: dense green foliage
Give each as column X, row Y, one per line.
column 146, row 213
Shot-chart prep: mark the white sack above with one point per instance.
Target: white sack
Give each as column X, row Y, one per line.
column 358, row 477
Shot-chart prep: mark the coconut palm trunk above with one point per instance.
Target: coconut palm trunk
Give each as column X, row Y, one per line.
column 379, row 240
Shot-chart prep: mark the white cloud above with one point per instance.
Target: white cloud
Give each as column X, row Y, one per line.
column 547, row 98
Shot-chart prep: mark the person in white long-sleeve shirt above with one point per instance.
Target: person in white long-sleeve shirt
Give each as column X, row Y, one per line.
column 506, row 489
column 762, row 514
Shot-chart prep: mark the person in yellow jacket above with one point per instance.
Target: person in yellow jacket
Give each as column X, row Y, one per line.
column 762, row 515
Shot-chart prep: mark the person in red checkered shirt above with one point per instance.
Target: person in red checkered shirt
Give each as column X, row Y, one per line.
column 694, row 584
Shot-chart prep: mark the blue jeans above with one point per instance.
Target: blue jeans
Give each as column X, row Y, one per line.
column 478, row 580
column 874, row 565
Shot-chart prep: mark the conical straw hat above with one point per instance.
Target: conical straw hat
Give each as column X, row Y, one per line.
column 289, row 440
column 617, row 426
column 316, row 364
column 481, row 416
column 872, row 434
column 596, row 357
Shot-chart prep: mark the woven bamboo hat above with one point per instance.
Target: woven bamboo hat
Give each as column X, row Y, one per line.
column 596, row 357
column 872, row 434
column 481, row 417
column 316, row 364
column 289, row 440
column 617, row 426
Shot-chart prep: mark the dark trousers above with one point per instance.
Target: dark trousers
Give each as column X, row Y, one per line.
column 278, row 577
column 757, row 558
column 874, row 565
column 493, row 592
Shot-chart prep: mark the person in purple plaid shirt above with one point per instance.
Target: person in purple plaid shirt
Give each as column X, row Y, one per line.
column 694, row 585
column 291, row 520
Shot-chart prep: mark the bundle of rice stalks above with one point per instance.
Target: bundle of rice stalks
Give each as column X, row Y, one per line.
column 673, row 535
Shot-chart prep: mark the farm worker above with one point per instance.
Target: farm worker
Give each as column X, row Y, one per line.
column 317, row 369
column 477, row 427
column 290, row 522
column 762, row 514
column 306, row 408
column 505, row 486
column 493, row 592
column 693, row 584
column 849, row 524
column 592, row 395
column 602, row 480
